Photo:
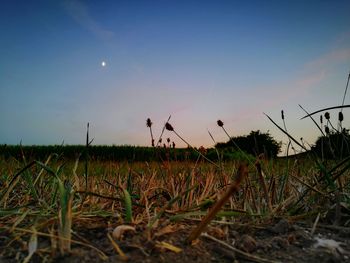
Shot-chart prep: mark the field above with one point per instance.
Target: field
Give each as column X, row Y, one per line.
column 59, row 209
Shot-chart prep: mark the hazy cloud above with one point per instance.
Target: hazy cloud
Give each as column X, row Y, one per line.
column 80, row 13
column 330, row 59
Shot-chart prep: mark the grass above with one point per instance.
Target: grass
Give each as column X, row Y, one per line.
column 53, row 197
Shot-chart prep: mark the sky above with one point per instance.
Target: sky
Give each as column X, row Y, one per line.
column 116, row 63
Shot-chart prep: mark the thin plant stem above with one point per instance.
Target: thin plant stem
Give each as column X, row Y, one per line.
column 231, row 139
column 346, row 89
column 189, row 145
column 161, row 134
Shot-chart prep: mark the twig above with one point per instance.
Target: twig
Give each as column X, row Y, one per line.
column 315, row 224
column 120, row 252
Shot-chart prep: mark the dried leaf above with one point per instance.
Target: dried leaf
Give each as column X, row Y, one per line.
column 167, row 230
column 117, row 248
column 120, row 230
column 32, row 246
column 169, row 247
column 329, row 244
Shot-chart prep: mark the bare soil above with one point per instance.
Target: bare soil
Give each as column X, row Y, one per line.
column 278, row 240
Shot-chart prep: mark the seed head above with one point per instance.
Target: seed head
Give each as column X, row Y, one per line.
column 327, row 129
column 202, row 150
column 168, row 140
column 282, row 114
column 149, row 123
column 327, row 116
column 220, row 123
column 340, row 116
column 321, row 119
column 169, row 127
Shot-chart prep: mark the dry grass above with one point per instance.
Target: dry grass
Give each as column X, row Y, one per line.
column 52, row 200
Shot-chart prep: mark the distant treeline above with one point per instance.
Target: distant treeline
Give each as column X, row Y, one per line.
column 334, row 146
column 252, row 144
column 115, row 153
column 100, row 152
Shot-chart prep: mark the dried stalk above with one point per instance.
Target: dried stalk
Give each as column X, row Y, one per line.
column 242, row 172
column 263, row 184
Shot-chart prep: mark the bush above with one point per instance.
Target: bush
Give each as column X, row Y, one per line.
column 255, row 143
column 336, row 145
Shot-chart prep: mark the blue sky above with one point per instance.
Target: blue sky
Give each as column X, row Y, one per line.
column 198, row 61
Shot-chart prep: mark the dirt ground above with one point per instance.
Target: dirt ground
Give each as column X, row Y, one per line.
column 276, row 241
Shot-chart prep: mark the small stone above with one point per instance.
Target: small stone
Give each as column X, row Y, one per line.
column 281, row 227
column 280, row 242
column 291, row 239
column 246, row 243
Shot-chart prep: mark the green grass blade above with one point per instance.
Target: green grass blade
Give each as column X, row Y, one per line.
column 128, row 206
column 286, row 133
column 325, row 109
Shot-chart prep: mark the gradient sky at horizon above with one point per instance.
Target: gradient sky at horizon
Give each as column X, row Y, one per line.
column 198, row 61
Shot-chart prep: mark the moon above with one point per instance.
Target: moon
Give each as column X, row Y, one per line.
column 103, row 63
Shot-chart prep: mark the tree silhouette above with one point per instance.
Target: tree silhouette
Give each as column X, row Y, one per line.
column 255, row 143
column 336, row 145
